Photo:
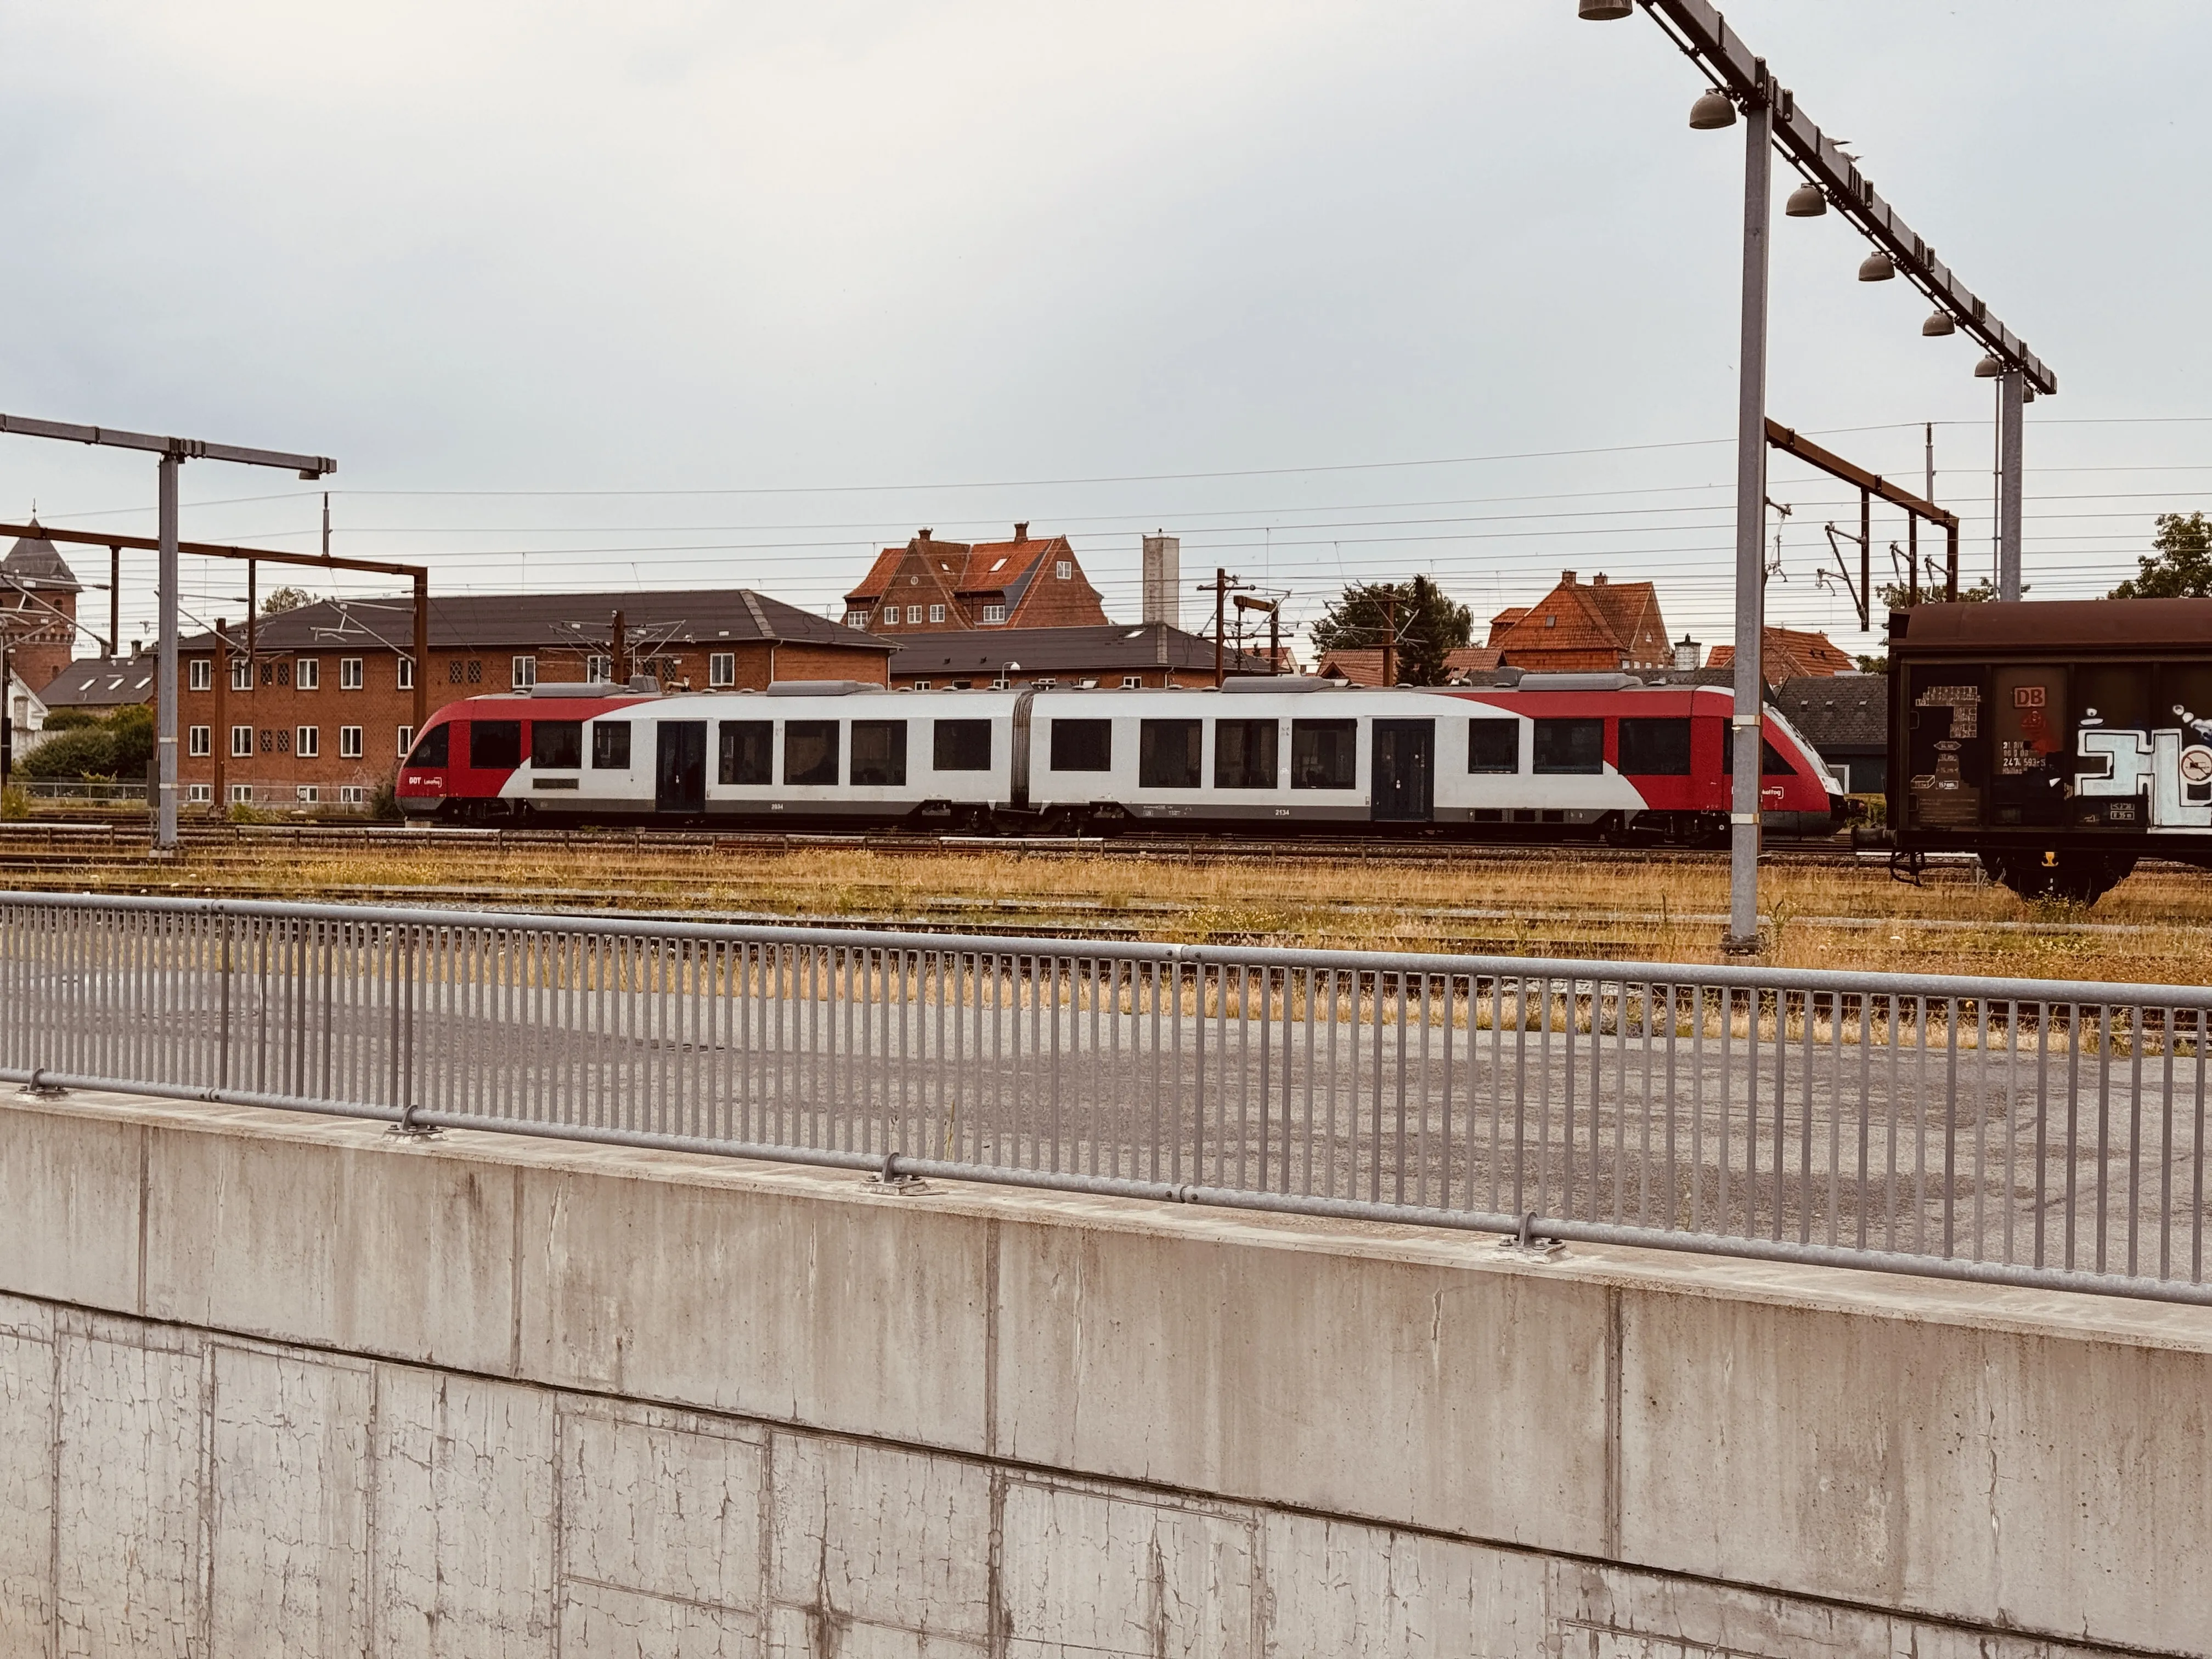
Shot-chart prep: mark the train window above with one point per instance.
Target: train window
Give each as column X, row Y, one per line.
column 611, row 745
column 1654, row 748
column 809, row 752
column 1168, row 753
column 1324, row 754
column 747, row 752
column 1771, row 763
column 1083, row 745
column 496, row 744
column 1244, row 754
column 880, row 752
column 1494, row 745
column 558, row 744
column 1566, row 745
column 433, row 750
column 961, row 745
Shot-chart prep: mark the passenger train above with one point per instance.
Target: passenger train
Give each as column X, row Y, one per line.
column 1557, row 757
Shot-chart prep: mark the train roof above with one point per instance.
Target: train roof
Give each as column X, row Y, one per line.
column 2124, row 627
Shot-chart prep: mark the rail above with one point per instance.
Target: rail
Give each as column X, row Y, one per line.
column 2007, row 1131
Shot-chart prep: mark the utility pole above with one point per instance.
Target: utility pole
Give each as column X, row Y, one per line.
column 2011, row 419
column 114, row 600
column 618, row 664
column 1750, row 520
column 219, row 738
column 1220, row 602
column 1390, row 637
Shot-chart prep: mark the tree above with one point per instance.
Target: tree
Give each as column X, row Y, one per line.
column 85, row 745
column 281, row 600
column 1429, row 626
column 2181, row 567
column 1895, row 595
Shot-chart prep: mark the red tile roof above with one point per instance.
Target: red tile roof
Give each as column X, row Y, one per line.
column 1790, row 653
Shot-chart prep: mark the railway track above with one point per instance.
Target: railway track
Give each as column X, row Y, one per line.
column 42, row 840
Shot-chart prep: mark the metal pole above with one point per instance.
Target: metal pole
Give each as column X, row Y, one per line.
column 1220, row 594
column 2011, row 418
column 114, row 601
column 1866, row 560
column 219, row 735
column 1750, row 523
column 422, row 650
column 165, row 687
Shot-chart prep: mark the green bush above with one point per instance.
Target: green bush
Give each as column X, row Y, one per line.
column 15, row 804
column 80, row 752
column 84, row 745
column 384, row 804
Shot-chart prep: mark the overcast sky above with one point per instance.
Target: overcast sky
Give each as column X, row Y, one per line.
column 681, row 294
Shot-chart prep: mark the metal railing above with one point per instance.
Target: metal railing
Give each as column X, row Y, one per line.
column 2019, row 1132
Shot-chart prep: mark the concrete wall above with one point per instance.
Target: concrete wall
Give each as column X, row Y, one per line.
column 271, row 1384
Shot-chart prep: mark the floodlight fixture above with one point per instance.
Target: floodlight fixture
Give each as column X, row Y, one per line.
column 1712, row 111
column 1808, row 201
column 1989, row 368
column 1939, row 323
column 1604, row 11
column 1877, row 267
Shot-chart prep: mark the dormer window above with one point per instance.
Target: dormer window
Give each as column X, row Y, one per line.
column 994, row 613
column 1063, row 569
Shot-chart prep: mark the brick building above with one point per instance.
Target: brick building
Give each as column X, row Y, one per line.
column 1117, row 654
column 38, row 609
column 1362, row 664
column 1790, row 653
column 953, row 587
column 325, row 709
column 1593, row 627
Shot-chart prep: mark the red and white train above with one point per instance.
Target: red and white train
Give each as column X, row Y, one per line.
column 1556, row 757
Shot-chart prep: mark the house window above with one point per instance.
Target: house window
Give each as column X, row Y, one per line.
column 937, row 613
column 890, row 616
column 1063, row 568
column 406, row 673
column 1133, row 682
column 1550, row 622
column 349, row 742
column 913, row 613
column 306, row 794
column 242, row 793
column 599, row 669
column 199, row 793
column 241, row 674
column 202, row 741
column 350, row 676
column 203, row 675
column 352, row 795
column 241, row 741
column 722, row 668
column 857, row 619
column 406, row 736
column 310, row 675
column 922, row 685
column 522, row 673
column 994, row 613
column 310, row 743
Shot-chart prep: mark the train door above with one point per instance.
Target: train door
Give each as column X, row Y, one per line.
column 1946, row 748
column 1404, row 771
column 680, row 773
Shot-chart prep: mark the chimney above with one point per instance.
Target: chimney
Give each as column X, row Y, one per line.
column 1567, row 579
column 1164, row 581
column 922, row 535
column 1686, row 653
column 1022, row 531
column 1598, row 580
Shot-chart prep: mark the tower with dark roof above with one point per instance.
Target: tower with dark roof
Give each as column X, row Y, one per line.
column 37, row 608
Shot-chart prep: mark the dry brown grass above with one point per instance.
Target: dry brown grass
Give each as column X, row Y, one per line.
column 2156, row 927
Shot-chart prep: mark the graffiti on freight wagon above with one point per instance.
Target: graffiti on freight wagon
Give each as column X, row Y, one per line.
column 2166, row 773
